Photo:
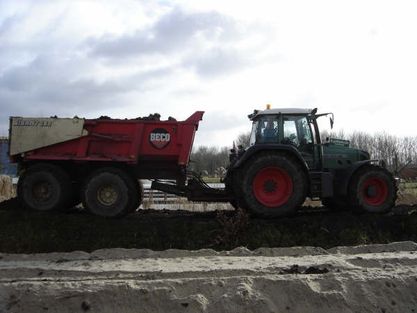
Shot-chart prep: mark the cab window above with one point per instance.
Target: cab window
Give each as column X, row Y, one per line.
column 297, row 131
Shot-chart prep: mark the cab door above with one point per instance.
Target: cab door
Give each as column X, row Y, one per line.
column 299, row 132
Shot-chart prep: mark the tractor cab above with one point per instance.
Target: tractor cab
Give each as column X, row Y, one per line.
column 294, row 127
column 298, row 128
column 286, row 126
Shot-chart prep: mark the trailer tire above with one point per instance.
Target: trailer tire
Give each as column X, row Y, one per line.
column 44, row 187
column 372, row 189
column 110, row 192
column 273, row 185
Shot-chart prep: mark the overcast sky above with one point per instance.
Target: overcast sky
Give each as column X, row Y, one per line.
column 129, row 58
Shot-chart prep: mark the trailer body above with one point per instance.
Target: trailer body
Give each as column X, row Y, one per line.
column 154, row 149
column 99, row 162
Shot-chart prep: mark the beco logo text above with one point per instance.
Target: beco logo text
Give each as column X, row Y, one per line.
column 159, row 138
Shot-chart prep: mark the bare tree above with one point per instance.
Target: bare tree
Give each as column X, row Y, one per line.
column 209, row 159
column 243, row 139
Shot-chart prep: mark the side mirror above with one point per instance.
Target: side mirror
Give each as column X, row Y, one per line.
column 331, row 121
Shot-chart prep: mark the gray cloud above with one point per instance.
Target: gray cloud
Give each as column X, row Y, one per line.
column 6, row 25
column 218, row 120
column 206, row 42
column 221, row 124
column 215, row 62
column 51, row 86
column 48, row 73
column 48, row 78
column 173, row 32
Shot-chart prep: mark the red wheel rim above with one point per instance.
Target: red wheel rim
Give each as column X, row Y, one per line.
column 375, row 191
column 272, row 186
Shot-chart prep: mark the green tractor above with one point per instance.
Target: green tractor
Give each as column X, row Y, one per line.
column 287, row 162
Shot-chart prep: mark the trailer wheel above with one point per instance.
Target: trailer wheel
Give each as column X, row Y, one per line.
column 273, row 185
column 372, row 189
column 44, row 187
column 110, row 192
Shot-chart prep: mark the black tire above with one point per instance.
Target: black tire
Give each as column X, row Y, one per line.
column 372, row 189
column 44, row 187
column 110, row 192
column 234, row 186
column 273, row 185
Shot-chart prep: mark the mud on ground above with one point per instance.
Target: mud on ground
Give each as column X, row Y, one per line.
column 23, row 231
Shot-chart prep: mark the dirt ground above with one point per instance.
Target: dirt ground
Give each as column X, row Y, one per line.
column 25, row 231
column 376, row 278
column 181, row 261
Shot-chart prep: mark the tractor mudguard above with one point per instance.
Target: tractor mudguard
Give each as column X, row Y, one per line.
column 343, row 177
column 269, row 147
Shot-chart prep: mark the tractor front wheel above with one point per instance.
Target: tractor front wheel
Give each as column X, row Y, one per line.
column 373, row 189
column 273, row 185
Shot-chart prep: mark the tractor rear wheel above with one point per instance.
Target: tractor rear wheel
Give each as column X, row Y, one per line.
column 273, row 185
column 372, row 189
column 110, row 192
column 234, row 186
column 44, row 187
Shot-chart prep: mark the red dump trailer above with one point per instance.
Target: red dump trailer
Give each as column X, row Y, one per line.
column 63, row 161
